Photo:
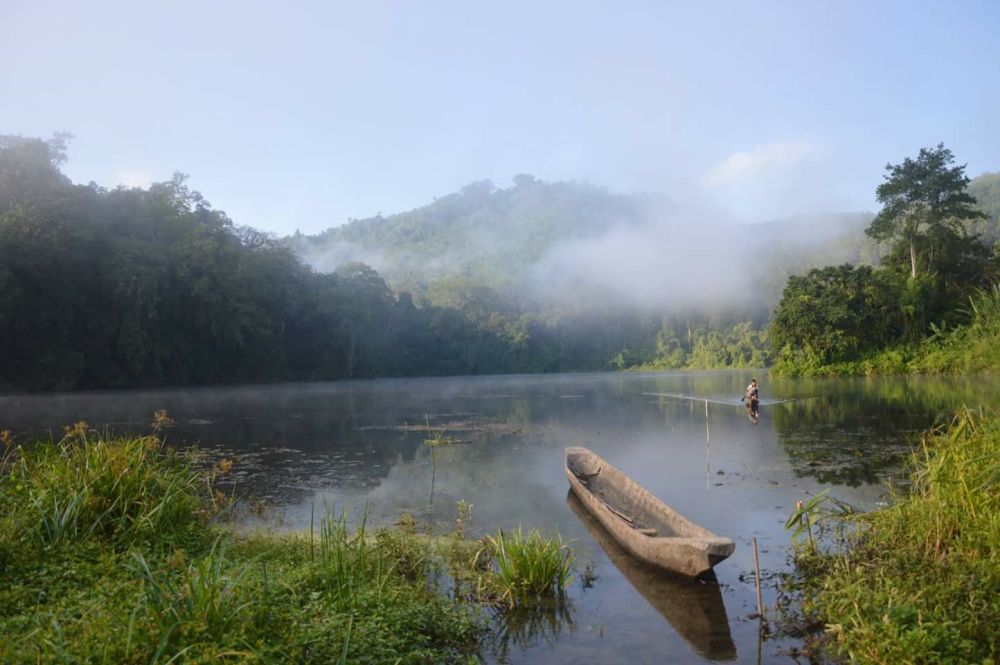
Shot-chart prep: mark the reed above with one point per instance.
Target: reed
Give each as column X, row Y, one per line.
column 528, row 566
column 917, row 581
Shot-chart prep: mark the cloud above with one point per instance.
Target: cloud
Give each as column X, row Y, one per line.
column 134, row 178
column 740, row 166
column 678, row 257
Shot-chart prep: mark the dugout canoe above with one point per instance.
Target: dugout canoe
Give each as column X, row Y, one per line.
column 642, row 524
column 693, row 608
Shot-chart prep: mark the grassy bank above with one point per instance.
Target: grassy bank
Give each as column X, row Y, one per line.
column 970, row 348
column 919, row 581
column 111, row 552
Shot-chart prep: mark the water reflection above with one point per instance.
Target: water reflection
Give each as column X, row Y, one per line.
column 531, row 627
column 693, row 608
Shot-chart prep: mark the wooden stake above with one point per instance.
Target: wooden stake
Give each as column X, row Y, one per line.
column 756, row 565
column 708, row 459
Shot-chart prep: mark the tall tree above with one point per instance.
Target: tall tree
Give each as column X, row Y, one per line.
column 922, row 197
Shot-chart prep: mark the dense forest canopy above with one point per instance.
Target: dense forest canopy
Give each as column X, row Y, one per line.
column 135, row 287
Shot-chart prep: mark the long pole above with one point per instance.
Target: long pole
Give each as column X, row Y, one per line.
column 756, row 566
column 708, row 465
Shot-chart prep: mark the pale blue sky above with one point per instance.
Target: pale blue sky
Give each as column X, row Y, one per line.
column 301, row 114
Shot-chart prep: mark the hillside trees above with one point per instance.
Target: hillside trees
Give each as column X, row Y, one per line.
column 832, row 313
column 125, row 287
column 838, row 314
column 924, row 202
column 143, row 287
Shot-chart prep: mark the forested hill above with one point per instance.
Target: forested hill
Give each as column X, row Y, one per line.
column 481, row 231
column 560, row 243
column 986, row 190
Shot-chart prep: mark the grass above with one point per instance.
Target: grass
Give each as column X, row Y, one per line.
column 111, row 551
column 919, row 581
column 530, row 566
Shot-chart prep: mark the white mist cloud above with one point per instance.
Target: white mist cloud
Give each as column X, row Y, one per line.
column 759, row 160
column 676, row 258
column 331, row 257
column 134, row 178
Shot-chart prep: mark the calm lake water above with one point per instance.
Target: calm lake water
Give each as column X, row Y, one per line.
column 360, row 446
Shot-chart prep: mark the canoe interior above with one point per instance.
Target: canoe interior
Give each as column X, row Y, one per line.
column 635, row 505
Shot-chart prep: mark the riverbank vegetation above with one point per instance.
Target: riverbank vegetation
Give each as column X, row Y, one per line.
column 117, row 551
column 930, row 305
column 918, row 581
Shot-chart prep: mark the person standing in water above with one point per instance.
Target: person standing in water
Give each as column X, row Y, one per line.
column 751, row 398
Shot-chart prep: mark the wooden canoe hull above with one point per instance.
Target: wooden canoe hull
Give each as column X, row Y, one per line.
column 692, row 607
column 628, row 511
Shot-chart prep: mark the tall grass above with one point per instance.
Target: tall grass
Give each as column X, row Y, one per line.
column 920, row 580
column 350, row 562
column 530, row 566
column 208, row 602
column 108, row 554
column 125, row 491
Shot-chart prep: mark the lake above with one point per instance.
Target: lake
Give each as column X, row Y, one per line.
column 360, row 446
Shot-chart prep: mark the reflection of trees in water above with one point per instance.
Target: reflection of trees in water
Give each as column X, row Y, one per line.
column 528, row 627
column 860, row 430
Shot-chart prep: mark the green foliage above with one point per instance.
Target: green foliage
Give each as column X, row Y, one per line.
column 917, row 581
column 846, row 320
column 530, row 566
column 832, row 314
column 107, row 555
column 924, row 198
column 973, row 347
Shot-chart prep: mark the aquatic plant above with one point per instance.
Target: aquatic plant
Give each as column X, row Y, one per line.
column 530, row 566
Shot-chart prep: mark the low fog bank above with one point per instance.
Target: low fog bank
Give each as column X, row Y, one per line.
column 576, row 246
column 683, row 260
column 652, row 265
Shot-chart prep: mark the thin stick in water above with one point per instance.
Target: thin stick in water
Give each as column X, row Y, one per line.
column 756, row 565
column 708, row 463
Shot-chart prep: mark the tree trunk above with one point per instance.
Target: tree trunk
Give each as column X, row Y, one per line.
column 913, row 260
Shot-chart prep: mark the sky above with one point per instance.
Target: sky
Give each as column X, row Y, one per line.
column 303, row 114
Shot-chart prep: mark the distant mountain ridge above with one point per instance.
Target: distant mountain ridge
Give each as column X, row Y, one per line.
column 559, row 241
column 512, row 239
column 471, row 232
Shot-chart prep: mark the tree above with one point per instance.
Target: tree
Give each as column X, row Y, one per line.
column 831, row 314
column 921, row 197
